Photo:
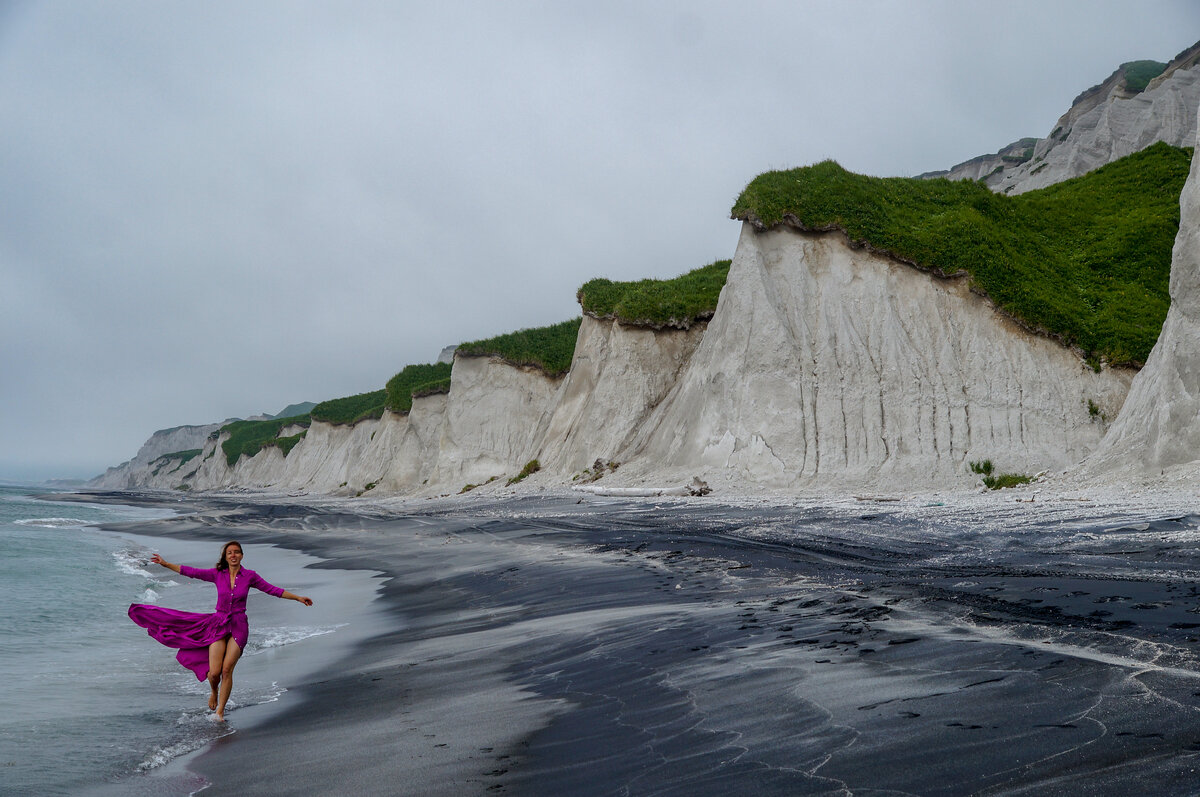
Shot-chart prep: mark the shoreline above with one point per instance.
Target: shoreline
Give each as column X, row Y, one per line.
column 329, row 536
column 559, row 643
column 349, row 600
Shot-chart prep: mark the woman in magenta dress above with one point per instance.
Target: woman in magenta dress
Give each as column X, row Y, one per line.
column 210, row 644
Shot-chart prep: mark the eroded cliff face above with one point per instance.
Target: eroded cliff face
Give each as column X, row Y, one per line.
column 618, row 375
column 830, row 365
column 1159, row 426
column 823, row 366
column 334, row 459
column 1104, row 124
column 330, row 459
column 414, row 445
column 147, row 468
column 495, row 418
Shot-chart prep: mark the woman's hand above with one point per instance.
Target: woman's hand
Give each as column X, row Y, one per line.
column 291, row 596
column 158, row 560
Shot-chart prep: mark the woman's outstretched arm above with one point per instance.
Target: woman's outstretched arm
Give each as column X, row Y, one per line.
column 258, row 582
column 294, row 597
column 158, row 560
column 184, row 570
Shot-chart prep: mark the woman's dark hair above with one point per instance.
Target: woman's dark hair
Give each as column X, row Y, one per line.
column 223, row 564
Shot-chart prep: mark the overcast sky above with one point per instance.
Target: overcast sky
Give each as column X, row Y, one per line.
column 217, row 209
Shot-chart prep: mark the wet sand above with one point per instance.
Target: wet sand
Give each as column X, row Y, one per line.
column 542, row 646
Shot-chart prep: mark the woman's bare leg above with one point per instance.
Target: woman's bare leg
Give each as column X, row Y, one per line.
column 216, row 656
column 232, row 653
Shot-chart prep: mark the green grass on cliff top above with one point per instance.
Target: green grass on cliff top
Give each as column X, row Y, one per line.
column 351, row 409
column 1087, row 260
column 418, row 380
column 250, row 437
column 677, row 302
column 548, row 348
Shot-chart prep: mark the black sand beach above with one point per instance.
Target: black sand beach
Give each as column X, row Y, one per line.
column 542, row 646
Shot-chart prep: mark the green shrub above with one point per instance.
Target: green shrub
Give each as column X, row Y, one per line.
column 468, row 487
column 352, row 409
column 675, row 302
column 1005, row 480
column 548, row 348
column 532, row 466
column 401, row 387
column 983, row 467
column 250, row 437
column 1086, row 260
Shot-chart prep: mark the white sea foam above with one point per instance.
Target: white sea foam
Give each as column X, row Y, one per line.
column 279, row 636
column 149, row 596
column 54, row 522
column 134, row 563
column 202, row 733
column 273, row 694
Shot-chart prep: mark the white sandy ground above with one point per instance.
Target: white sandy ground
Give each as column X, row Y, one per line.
column 1051, row 497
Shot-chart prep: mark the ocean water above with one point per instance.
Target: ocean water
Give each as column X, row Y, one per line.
column 89, row 698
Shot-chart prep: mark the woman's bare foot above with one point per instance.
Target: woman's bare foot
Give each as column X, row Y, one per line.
column 212, row 701
column 220, row 716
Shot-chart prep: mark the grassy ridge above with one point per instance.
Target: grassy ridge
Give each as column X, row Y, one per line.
column 1087, row 260
column 432, row 388
column 250, row 437
column 675, row 302
column 1138, row 74
column 351, row 409
column 548, row 348
column 415, row 380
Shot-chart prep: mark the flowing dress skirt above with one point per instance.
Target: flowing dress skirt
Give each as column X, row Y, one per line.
column 190, row 632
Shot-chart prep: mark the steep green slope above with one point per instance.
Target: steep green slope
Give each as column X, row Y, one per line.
column 250, row 437
column 548, row 348
column 416, row 381
column 1087, row 260
column 677, row 302
column 351, row 409
column 1138, row 74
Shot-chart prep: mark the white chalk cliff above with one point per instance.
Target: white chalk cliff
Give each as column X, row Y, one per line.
column 823, row 365
column 1104, row 124
column 619, row 374
column 151, row 467
column 496, row 414
column 827, row 364
column 1159, row 425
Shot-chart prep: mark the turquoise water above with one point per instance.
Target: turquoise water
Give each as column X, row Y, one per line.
column 89, row 698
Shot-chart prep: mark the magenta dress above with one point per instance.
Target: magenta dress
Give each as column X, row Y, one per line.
column 192, row 632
